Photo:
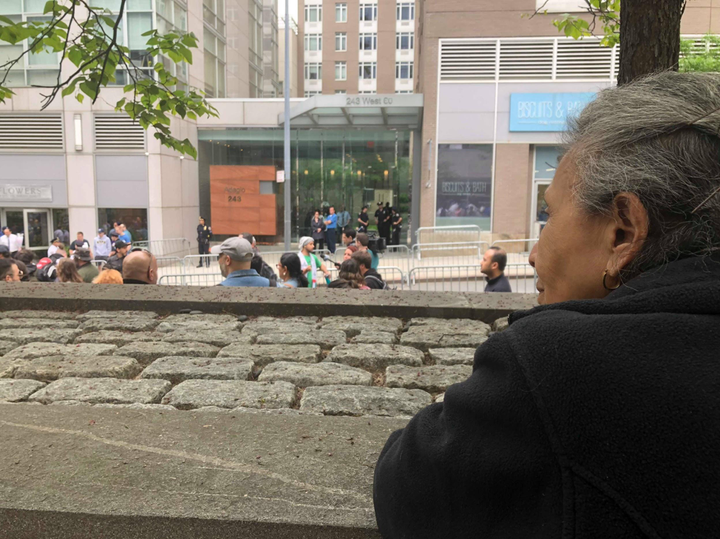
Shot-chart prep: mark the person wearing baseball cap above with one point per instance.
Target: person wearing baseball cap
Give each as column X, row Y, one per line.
column 234, row 257
column 85, row 267
column 102, row 245
column 116, row 261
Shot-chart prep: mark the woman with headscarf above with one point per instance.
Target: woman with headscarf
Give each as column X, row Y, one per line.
column 310, row 263
column 596, row 414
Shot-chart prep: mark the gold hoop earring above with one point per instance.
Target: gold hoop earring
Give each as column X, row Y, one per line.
column 605, row 286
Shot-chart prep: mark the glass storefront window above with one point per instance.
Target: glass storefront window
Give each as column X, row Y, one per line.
column 464, row 185
column 343, row 168
column 546, row 161
column 134, row 219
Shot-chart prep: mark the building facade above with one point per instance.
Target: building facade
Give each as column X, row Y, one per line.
column 357, row 47
column 293, row 52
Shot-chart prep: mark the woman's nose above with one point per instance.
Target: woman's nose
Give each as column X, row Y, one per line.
column 533, row 255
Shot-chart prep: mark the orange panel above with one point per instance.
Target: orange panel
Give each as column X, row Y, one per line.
column 236, row 201
column 224, row 172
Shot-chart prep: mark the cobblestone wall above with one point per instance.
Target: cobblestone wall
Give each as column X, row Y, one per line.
column 300, row 365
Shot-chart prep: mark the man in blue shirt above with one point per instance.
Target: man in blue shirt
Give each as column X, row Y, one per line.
column 331, row 229
column 124, row 234
column 235, row 256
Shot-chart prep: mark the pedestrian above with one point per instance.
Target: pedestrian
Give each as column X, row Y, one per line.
column 108, row 276
column 396, row 226
column 67, row 272
column 349, row 251
column 124, row 233
column 290, row 271
column 54, row 246
column 27, row 257
column 363, row 243
column 386, row 230
column 348, row 236
column 83, row 261
column 318, row 230
column 266, row 271
column 116, row 260
column 9, row 271
column 79, row 243
column 114, row 236
column 140, row 267
column 204, row 234
column 331, row 230
column 349, row 277
column 363, row 220
column 22, row 268
column 310, row 263
column 235, row 257
column 257, row 264
column 4, row 252
column 343, row 219
column 102, row 245
column 12, row 241
column 372, row 278
column 493, row 266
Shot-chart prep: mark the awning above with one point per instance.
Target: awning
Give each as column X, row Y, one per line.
column 398, row 111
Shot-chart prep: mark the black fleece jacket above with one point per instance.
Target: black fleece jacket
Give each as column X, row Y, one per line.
column 595, row 419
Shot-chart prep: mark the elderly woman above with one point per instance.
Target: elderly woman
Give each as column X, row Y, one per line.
column 597, row 414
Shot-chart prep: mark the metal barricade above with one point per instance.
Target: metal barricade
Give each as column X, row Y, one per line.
column 393, row 276
column 99, row 264
column 166, row 247
column 448, row 254
column 448, row 234
column 398, row 256
column 198, row 279
column 469, row 278
column 522, row 277
column 171, row 264
column 518, row 251
column 199, row 263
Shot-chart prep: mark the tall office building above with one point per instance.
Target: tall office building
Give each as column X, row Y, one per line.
column 357, row 47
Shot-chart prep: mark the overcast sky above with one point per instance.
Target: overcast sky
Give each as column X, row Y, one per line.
column 293, row 9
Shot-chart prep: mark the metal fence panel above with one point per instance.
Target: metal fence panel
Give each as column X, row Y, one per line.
column 167, row 247
column 468, row 278
column 99, row 264
column 198, row 279
column 448, row 234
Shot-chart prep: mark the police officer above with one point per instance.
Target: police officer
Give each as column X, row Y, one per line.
column 204, row 233
column 386, row 220
column 397, row 226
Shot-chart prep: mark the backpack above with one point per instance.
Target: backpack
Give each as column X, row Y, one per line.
column 375, row 279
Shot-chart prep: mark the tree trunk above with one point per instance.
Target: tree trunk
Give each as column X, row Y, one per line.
column 649, row 37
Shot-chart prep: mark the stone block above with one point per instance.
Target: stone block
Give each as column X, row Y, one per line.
column 425, row 340
column 375, row 337
column 277, row 326
column 202, row 317
column 315, row 374
column 147, row 352
column 215, row 337
column 6, row 346
column 178, row 369
column 324, row 338
column 47, row 335
column 198, row 326
column 361, row 400
column 231, row 394
column 264, row 354
column 451, row 325
column 354, row 325
column 375, row 357
column 43, row 315
column 18, row 390
column 138, row 323
column 37, row 323
column 44, row 349
column 501, row 324
column 309, row 320
column 119, row 338
column 50, row 368
column 453, row 356
column 105, row 315
column 103, row 390
column 433, row 378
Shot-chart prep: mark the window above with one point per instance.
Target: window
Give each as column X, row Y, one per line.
column 368, row 70
column 313, row 42
column 214, row 64
column 404, row 70
column 341, row 42
column 214, row 15
column 313, row 13
column 406, row 11
column 546, row 162
column 172, row 17
column 339, row 92
column 134, row 219
column 367, row 92
column 405, row 41
column 368, row 12
column 340, row 12
column 310, row 93
column 340, row 70
column 313, row 71
column 403, row 91
column 368, row 42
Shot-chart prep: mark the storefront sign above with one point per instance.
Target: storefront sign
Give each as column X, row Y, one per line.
column 236, row 202
column 25, row 193
column 545, row 112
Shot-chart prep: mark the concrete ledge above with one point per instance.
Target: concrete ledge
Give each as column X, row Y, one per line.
column 265, row 302
column 84, row 472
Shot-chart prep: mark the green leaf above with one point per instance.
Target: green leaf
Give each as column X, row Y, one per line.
column 89, row 89
column 49, row 6
column 187, row 54
column 80, row 98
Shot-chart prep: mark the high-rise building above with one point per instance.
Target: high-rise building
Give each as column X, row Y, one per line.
column 294, row 46
column 357, row 47
column 271, row 65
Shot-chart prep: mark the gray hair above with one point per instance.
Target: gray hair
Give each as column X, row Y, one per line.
column 638, row 138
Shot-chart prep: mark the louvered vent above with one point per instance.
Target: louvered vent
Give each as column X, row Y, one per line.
column 118, row 132
column 583, row 59
column 31, row 132
column 526, row 60
column 468, row 60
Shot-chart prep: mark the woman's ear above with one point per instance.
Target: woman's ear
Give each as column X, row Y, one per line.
column 629, row 230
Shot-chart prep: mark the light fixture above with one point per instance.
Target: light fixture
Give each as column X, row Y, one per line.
column 306, row 173
column 182, row 157
column 386, row 173
column 78, row 132
column 332, row 173
column 359, row 172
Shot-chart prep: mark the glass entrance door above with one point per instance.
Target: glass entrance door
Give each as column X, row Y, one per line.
column 37, row 229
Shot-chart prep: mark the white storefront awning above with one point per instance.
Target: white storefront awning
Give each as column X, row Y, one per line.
column 398, row 111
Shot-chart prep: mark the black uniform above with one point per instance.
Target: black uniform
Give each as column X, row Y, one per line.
column 385, row 226
column 204, row 233
column 365, row 218
column 397, row 228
